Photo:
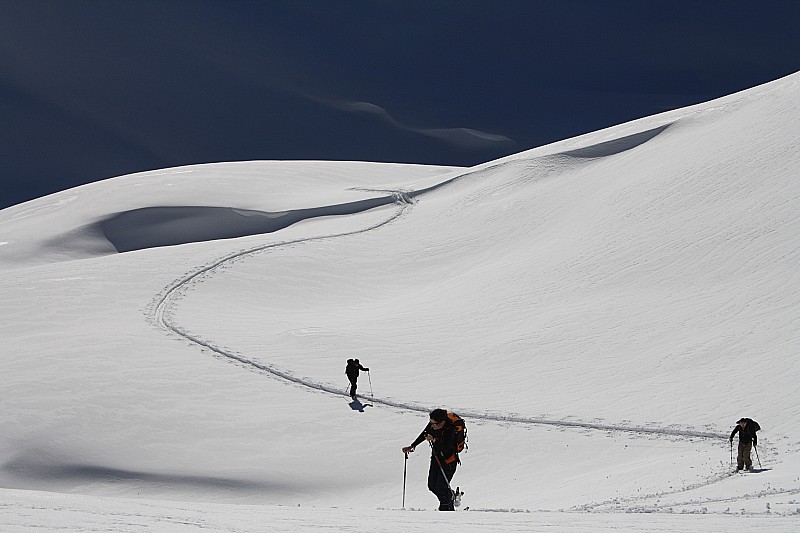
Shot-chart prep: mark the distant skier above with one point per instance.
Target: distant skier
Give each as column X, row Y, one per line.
column 353, row 366
column 444, row 456
column 746, row 428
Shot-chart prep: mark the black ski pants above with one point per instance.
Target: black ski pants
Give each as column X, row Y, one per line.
column 438, row 485
column 353, row 385
column 743, row 459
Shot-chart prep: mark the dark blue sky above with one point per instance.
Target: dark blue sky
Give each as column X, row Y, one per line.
column 95, row 89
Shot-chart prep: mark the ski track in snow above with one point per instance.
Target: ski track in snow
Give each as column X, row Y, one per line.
column 159, row 312
column 162, row 317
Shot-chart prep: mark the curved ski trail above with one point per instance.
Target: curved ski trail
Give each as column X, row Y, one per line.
column 162, row 317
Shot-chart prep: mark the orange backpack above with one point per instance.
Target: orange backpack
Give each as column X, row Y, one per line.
column 460, row 431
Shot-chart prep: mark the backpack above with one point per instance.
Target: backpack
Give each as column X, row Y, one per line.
column 460, row 431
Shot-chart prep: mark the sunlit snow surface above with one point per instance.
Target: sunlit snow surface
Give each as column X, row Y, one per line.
column 600, row 310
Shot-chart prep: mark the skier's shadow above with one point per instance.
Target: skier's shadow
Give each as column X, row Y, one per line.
column 356, row 405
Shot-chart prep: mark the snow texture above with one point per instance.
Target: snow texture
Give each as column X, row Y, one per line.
column 600, row 311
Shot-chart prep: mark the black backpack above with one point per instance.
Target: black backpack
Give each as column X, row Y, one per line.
column 460, row 431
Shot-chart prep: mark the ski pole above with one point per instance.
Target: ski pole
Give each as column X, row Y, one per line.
column 757, row 457
column 370, row 384
column 405, row 471
column 731, row 453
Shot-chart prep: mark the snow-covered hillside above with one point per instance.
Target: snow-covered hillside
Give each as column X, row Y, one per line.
column 600, row 310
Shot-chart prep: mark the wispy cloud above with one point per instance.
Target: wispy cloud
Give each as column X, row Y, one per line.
column 463, row 137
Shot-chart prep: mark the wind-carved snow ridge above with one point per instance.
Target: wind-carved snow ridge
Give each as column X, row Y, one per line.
column 616, row 146
column 156, row 226
column 162, row 316
column 152, row 227
column 587, row 153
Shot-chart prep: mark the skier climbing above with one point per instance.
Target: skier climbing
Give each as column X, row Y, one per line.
column 444, row 456
column 746, row 428
column 353, row 366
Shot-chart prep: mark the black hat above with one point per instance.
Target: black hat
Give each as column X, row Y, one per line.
column 439, row 415
column 741, row 420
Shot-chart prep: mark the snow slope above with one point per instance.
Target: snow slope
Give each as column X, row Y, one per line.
column 601, row 311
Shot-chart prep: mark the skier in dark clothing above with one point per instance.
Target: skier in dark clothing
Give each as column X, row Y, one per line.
column 444, row 457
column 746, row 428
column 353, row 366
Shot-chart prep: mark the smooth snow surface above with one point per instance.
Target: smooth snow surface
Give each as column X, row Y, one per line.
column 600, row 310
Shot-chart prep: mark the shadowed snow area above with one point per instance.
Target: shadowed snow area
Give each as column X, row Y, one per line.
column 151, row 227
column 35, row 473
column 196, row 204
column 616, row 146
